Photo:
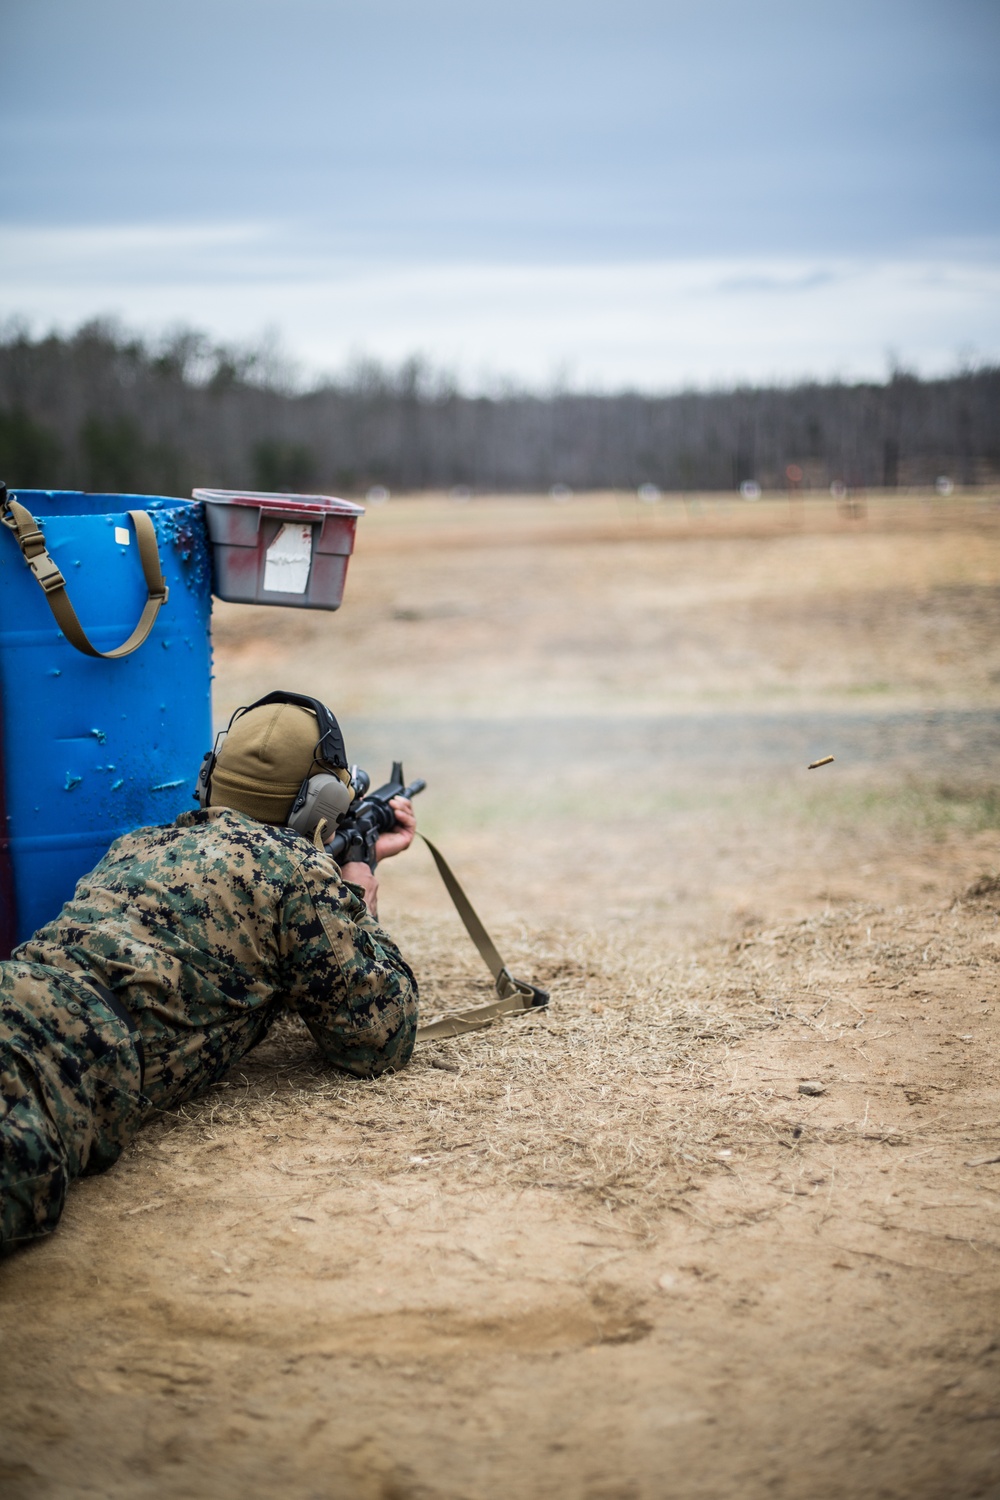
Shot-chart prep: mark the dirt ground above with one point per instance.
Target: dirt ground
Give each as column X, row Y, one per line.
column 722, row 1223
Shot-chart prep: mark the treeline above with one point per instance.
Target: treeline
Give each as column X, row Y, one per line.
column 102, row 410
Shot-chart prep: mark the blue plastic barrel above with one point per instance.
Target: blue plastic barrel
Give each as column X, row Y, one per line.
column 92, row 748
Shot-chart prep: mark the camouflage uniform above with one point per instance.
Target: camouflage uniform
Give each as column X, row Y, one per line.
column 204, row 931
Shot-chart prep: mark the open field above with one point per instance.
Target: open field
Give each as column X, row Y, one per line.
column 612, row 1251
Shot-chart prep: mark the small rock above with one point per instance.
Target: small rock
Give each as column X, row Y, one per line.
column 667, row 1282
column 812, row 1089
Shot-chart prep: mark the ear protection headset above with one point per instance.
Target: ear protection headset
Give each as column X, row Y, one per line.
column 322, row 798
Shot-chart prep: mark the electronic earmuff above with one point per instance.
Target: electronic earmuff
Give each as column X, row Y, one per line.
column 322, row 798
column 203, row 786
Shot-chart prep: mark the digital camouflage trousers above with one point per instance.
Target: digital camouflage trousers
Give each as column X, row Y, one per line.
column 70, row 1084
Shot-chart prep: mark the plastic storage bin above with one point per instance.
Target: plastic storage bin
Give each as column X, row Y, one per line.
column 280, row 549
column 91, row 747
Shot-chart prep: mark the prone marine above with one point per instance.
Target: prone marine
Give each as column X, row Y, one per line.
column 180, row 949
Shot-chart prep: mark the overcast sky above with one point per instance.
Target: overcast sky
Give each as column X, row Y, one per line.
column 603, row 193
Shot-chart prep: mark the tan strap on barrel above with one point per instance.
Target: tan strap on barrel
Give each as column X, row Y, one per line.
column 32, row 544
column 513, row 994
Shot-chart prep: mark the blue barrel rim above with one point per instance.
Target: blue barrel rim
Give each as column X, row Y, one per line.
column 34, row 500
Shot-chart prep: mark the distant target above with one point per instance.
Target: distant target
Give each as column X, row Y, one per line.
column 750, row 489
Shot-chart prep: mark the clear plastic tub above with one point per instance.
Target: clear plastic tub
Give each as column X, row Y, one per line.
column 279, row 549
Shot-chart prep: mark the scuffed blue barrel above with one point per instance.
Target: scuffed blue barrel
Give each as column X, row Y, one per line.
column 92, row 748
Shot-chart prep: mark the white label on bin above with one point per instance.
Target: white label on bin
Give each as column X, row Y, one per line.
column 286, row 566
column 122, row 537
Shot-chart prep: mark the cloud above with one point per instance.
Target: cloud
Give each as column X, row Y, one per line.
column 653, row 324
column 805, row 281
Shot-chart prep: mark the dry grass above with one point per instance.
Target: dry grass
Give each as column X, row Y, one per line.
column 508, row 607
column 579, row 1251
column 594, row 1096
column 433, row 520
column 617, row 1093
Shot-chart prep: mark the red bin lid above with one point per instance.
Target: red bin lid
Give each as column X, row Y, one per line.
column 307, row 505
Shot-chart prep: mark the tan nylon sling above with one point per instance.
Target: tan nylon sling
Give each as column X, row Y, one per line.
column 514, row 994
column 32, row 544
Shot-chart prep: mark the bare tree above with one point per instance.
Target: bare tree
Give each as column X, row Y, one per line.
column 102, row 409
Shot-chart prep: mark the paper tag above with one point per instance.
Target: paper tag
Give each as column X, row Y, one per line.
column 286, row 567
column 122, row 537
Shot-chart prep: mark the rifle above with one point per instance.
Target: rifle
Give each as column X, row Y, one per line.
column 369, row 815
column 357, row 833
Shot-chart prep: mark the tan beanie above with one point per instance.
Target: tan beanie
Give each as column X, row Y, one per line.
column 264, row 759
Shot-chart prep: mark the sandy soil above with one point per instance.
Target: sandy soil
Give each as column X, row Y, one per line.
column 612, row 1251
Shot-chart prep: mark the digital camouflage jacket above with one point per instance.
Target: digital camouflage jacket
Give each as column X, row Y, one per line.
column 208, row 928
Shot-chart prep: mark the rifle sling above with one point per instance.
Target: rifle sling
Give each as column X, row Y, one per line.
column 513, row 995
column 53, row 585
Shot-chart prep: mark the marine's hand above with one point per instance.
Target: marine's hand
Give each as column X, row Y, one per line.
column 400, row 837
column 358, row 873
